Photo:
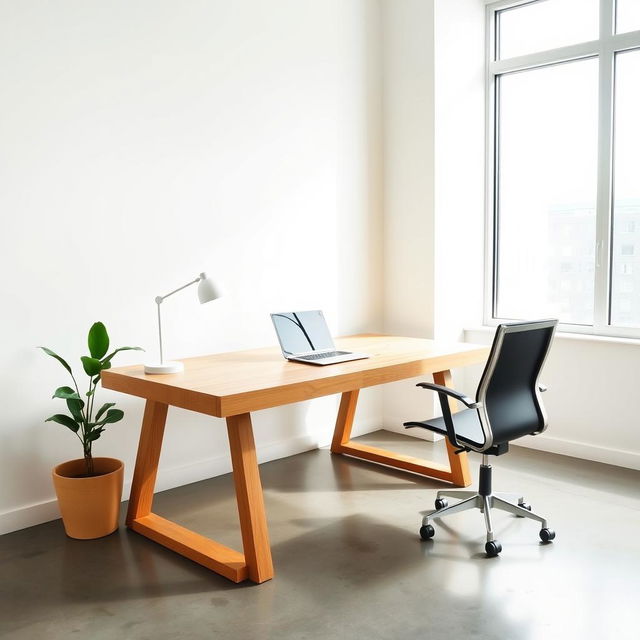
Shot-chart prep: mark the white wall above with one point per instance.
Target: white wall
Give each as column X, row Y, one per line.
column 433, row 118
column 142, row 142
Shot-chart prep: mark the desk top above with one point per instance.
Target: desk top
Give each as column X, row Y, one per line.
column 227, row 384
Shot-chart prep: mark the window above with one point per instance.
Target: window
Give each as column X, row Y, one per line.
column 535, row 26
column 626, row 286
column 627, row 16
column 564, row 135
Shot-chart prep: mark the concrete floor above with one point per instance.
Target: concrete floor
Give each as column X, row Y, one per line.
column 349, row 562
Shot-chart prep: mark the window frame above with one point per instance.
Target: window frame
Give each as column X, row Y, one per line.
column 604, row 49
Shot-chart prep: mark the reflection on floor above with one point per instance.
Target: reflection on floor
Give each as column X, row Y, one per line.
column 349, row 562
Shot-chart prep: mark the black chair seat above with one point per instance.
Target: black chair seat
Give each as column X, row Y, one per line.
column 466, row 424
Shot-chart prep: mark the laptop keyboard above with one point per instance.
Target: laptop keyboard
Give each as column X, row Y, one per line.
column 321, row 356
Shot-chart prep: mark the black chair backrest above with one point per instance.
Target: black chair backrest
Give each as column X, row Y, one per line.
column 508, row 389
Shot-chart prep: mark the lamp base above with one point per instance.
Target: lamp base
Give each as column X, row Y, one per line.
column 165, row 367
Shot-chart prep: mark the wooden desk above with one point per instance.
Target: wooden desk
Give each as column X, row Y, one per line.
column 231, row 385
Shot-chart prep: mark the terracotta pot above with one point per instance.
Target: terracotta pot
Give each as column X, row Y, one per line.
column 89, row 506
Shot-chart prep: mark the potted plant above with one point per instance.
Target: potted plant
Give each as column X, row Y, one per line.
column 89, row 489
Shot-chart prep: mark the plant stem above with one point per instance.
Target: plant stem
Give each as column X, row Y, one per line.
column 88, row 461
column 75, row 384
column 89, row 401
column 85, row 428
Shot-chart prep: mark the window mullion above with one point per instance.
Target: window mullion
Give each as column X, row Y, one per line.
column 491, row 123
column 605, row 173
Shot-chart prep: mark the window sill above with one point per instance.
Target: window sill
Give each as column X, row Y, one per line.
column 565, row 335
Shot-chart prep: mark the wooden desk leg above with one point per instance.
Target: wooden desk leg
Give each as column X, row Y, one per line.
column 344, row 423
column 460, row 474
column 457, row 472
column 144, row 475
column 253, row 520
column 227, row 562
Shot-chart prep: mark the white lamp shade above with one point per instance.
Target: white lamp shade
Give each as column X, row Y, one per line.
column 207, row 290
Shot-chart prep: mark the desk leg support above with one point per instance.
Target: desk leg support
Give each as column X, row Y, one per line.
column 256, row 564
column 344, row 423
column 457, row 472
column 144, row 475
column 253, row 520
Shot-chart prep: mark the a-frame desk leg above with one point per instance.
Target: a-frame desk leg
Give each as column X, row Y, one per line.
column 457, row 472
column 253, row 520
column 227, row 562
column 146, row 469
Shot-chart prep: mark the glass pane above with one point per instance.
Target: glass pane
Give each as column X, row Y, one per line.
column 547, row 166
column 625, row 270
column 546, row 24
column 627, row 15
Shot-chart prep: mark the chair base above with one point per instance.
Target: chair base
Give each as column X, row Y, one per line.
column 484, row 500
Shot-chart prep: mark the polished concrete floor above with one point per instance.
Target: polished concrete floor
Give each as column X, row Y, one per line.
column 349, row 562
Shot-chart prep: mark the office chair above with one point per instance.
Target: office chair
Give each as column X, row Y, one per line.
column 507, row 406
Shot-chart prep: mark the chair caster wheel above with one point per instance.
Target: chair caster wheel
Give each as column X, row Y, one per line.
column 492, row 548
column 427, row 532
column 524, row 505
column 441, row 503
column 547, row 535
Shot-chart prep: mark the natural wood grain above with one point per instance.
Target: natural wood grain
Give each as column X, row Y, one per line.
column 344, row 422
column 460, row 473
column 144, row 475
column 396, row 460
column 253, row 519
column 208, row 553
column 229, row 384
column 232, row 385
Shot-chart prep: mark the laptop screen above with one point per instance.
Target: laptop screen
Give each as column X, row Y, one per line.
column 302, row 331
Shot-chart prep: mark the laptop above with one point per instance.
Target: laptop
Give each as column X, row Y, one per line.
column 304, row 337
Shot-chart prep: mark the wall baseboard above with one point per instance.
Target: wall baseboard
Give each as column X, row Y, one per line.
column 38, row 513
column 572, row 448
column 582, row 450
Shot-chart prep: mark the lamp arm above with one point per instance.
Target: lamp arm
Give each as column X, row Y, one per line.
column 159, row 299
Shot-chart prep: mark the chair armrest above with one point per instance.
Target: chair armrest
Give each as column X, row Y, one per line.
column 466, row 400
column 542, row 388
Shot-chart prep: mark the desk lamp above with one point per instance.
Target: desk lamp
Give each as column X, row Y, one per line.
column 207, row 291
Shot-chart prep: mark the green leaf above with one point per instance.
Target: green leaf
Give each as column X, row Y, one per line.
column 90, row 393
column 104, row 407
column 108, row 358
column 95, row 434
column 96, row 379
column 113, row 415
column 98, row 340
column 58, row 358
column 106, row 364
column 66, row 393
column 67, row 421
column 92, row 366
column 75, row 407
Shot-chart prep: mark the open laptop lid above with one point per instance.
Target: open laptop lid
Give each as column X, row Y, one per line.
column 302, row 332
